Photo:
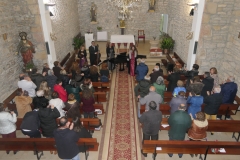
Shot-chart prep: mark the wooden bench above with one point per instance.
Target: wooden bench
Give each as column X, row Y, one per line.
column 96, row 106
column 65, row 59
column 226, row 109
column 101, row 86
column 98, row 96
column 179, row 60
column 237, row 100
column 190, row 147
column 42, row 144
column 168, row 96
column 215, row 126
column 164, row 108
column 69, row 62
column 88, row 123
column 9, row 100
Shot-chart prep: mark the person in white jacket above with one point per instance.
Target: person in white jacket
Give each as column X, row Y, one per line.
column 7, row 124
column 58, row 103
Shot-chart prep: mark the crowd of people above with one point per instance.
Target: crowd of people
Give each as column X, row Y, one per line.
column 54, row 93
column 186, row 114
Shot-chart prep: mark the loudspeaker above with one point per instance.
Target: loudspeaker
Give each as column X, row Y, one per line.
column 170, row 67
column 47, row 47
column 195, row 47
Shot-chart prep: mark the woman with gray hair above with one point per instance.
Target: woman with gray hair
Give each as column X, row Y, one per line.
column 160, row 86
column 51, row 79
column 7, row 124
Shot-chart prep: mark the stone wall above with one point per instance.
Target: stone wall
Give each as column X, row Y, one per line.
column 65, row 25
column 179, row 24
column 18, row 16
column 216, row 37
column 232, row 48
column 107, row 18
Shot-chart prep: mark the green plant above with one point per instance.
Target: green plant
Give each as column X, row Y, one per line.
column 78, row 41
column 29, row 66
column 99, row 28
column 167, row 43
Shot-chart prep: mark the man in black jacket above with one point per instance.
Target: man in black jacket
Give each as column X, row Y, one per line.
column 37, row 78
column 93, row 50
column 208, row 84
column 213, row 102
column 192, row 73
column 47, row 115
column 66, row 140
column 151, row 121
column 31, row 124
column 156, row 73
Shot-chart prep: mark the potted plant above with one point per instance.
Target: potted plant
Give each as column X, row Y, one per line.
column 78, row 41
column 167, row 43
column 99, row 28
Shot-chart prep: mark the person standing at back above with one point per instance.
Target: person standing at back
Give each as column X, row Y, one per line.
column 208, row 82
column 151, row 121
column 172, row 78
column 66, row 140
column 93, row 50
column 179, row 122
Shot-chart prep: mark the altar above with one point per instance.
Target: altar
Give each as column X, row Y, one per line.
column 122, row 39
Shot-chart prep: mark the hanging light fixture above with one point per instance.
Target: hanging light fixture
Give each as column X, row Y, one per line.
column 125, row 7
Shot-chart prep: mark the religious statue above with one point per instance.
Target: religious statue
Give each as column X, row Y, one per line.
column 26, row 48
column 93, row 12
column 151, row 5
column 122, row 23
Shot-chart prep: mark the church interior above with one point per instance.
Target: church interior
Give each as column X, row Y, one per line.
column 205, row 32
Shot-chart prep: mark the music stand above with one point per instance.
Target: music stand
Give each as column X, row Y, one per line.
column 141, row 57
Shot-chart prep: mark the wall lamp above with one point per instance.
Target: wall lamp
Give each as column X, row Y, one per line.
column 47, row 6
column 195, row 5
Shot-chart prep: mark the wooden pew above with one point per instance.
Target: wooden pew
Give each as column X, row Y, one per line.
column 164, row 108
column 168, row 96
column 69, row 62
column 190, row 147
column 98, row 96
column 88, row 123
column 9, row 100
column 65, row 59
column 237, row 100
column 42, row 144
column 215, row 126
column 226, row 109
column 101, row 86
column 96, row 106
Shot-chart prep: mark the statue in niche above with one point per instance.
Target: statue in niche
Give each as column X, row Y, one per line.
column 93, row 12
column 151, row 5
column 26, row 48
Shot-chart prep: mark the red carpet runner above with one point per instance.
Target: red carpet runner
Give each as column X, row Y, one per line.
column 122, row 143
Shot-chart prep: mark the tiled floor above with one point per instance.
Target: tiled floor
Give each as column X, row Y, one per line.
column 102, row 154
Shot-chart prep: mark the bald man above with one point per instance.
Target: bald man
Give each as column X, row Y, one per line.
column 27, row 85
column 152, row 96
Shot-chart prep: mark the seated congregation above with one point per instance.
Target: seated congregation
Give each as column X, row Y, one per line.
column 57, row 104
column 191, row 104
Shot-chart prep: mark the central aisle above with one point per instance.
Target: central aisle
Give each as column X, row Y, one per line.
column 123, row 140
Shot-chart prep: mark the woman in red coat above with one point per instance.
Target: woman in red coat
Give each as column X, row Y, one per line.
column 60, row 90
